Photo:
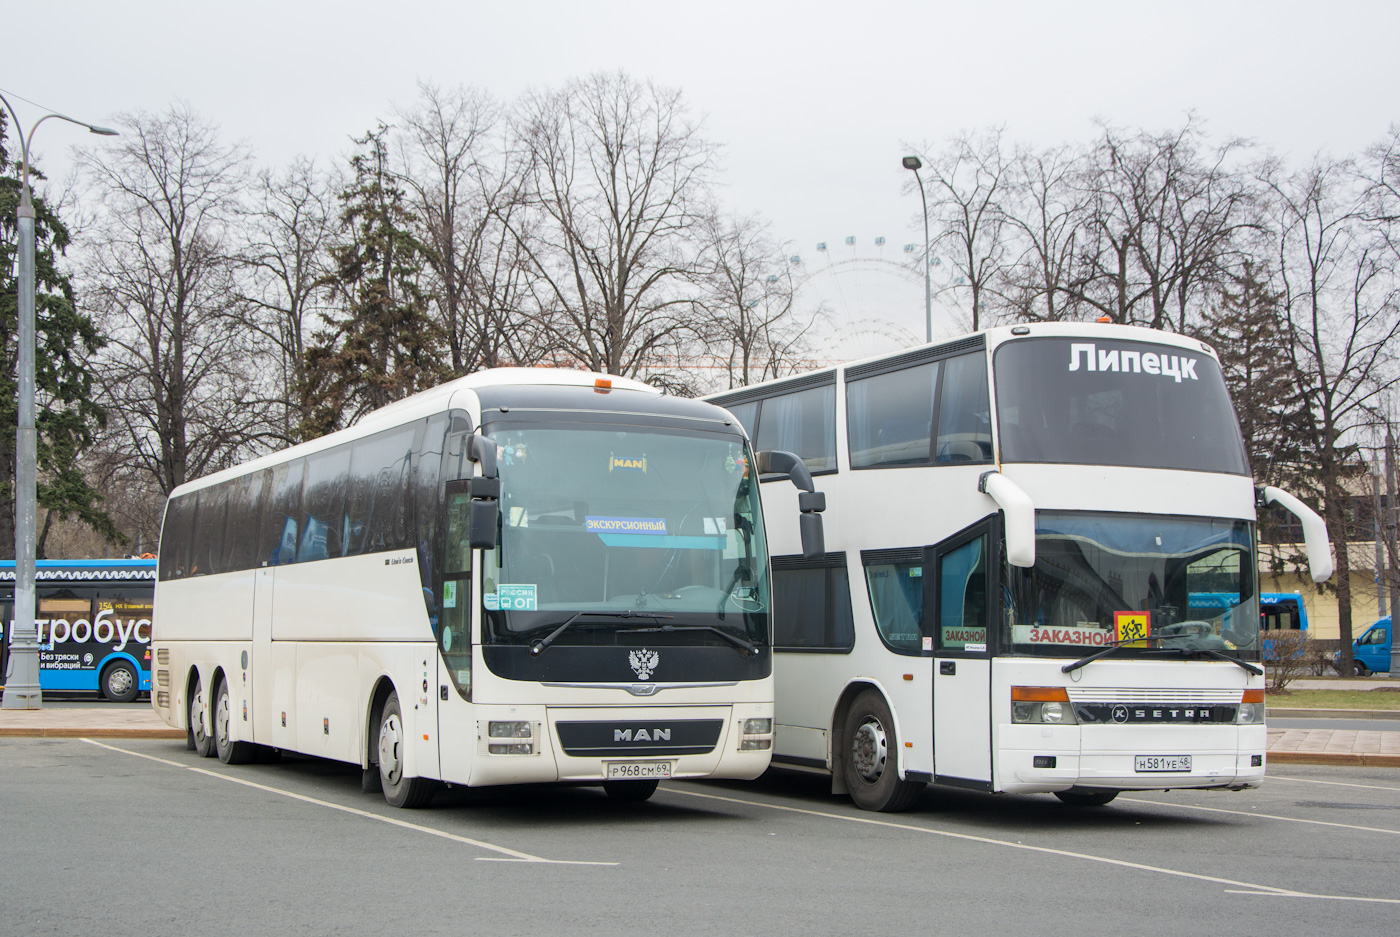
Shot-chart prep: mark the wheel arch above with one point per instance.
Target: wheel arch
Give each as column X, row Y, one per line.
column 383, row 687
column 847, row 695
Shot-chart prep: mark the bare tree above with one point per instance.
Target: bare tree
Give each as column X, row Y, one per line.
column 1342, row 307
column 1045, row 216
column 752, row 328
column 967, row 183
column 178, row 370
column 465, row 188
column 1163, row 223
column 286, row 258
column 619, row 179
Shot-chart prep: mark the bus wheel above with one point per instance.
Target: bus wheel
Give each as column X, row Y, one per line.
column 399, row 791
column 1086, row 798
column 197, row 735
column 630, row 792
column 119, row 682
column 869, row 757
column 1360, row 669
column 230, row 752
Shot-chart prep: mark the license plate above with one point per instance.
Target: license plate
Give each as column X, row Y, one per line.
column 1162, row 763
column 621, row 770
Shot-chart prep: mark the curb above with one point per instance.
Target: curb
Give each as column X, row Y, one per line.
column 69, row 732
column 1335, row 759
column 1281, row 713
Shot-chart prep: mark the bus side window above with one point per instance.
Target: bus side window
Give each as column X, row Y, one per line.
column 962, row 596
column 896, row 586
column 176, row 534
column 280, row 530
column 747, row 415
column 324, row 501
column 803, row 423
column 812, row 605
column 890, row 417
column 964, row 412
column 241, row 539
column 211, row 521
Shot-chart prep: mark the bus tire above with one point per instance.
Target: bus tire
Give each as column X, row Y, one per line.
column 630, row 792
column 1086, row 798
column 869, row 757
column 197, row 736
column 399, row 791
column 229, row 751
column 119, row 682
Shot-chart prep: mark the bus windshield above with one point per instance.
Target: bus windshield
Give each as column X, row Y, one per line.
column 1099, row 579
column 647, row 523
column 1115, row 403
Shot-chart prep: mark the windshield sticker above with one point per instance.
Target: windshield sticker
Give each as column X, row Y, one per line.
column 449, row 594
column 627, row 464
column 1132, row 627
column 716, row 526
column 625, row 525
column 1081, row 637
column 964, row 638
column 517, row 597
column 491, row 602
column 1138, row 362
column 976, row 648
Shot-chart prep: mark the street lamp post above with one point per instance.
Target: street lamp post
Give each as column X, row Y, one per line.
column 915, row 164
column 22, row 676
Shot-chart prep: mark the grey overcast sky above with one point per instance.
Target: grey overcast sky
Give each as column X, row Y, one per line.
column 811, row 101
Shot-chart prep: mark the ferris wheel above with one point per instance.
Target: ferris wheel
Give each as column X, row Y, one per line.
column 867, row 298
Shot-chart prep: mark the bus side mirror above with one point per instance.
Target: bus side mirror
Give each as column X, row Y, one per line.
column 485, row 490
column 1314, row 529
column 809, row 501
column 1018, row 514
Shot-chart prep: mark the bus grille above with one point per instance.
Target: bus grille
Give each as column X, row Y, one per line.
column 632, row 737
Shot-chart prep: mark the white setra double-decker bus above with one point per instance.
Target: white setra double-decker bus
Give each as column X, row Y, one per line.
column 520, row 576
column 1042, row 572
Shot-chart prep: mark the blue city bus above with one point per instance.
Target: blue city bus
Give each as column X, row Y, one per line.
column 1277, row 610
column 94, row 624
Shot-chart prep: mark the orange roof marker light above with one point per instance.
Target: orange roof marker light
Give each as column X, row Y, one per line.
column 1104, row 319
column 602, row 385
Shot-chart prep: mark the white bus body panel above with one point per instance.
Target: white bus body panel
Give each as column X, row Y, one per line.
column 1103, row 755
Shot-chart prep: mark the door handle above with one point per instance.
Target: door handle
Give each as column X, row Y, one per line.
column 947, row 668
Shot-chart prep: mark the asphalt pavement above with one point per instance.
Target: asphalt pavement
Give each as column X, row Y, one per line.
column 1296, row 736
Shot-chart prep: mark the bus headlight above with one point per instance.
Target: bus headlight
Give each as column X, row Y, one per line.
column 1046, row 705
column 510, row 738
column 756, row 735
column 1251, row 711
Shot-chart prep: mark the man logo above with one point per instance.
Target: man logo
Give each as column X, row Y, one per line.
column 644, row 662
column 641, row 735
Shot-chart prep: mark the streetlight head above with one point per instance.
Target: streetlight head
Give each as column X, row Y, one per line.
column 913, row 162
column 102, row 131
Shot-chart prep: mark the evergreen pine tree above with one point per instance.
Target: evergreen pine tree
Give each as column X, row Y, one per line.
column 67, row 414
column 382, row 345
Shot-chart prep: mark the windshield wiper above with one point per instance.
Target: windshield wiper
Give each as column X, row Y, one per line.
column 538, row 647
column 1211, row 652
column 743, row 645
column 1117, row 645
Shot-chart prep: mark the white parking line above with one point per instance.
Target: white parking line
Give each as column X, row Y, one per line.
column 507, row 855
column 1369, row 787
column 1262, row 816
column 1242, row 888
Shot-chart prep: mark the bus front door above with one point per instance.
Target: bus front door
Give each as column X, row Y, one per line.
column 957, row 593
